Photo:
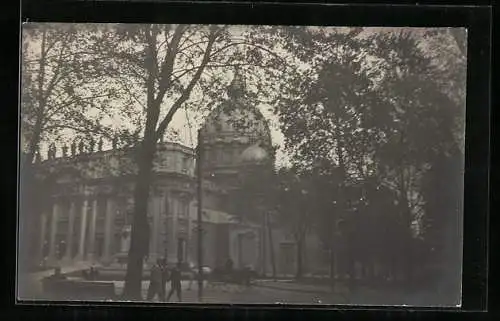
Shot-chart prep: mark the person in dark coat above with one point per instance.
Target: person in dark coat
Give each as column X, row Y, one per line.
column 192, row 274
column 93, row 273
column 175, row 282
column 164, row 279
column 155, row 282
column 229, row 266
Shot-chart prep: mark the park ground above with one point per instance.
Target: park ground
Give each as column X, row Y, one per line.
column 281, row 291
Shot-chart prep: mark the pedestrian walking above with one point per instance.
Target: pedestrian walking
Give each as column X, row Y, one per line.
column 229, row 266
column 175, row 282
column 155, row 282
column 192, row 275
column 229, row 277
column 164, row 279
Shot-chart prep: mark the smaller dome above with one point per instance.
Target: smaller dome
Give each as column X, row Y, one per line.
column 254, row 154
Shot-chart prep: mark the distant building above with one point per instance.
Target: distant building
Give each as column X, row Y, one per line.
column 89, row 198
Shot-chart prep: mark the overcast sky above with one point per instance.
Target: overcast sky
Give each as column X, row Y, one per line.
column 187, row 123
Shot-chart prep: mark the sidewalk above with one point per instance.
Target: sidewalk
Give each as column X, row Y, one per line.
column 361, row 295
column 291, row 285
column 188, row 295
column 30, row 284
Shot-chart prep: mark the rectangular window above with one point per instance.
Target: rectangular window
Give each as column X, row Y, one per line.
column 183, row 208
column 185, row 164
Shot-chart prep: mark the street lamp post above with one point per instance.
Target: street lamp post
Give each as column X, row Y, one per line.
column 199, row 157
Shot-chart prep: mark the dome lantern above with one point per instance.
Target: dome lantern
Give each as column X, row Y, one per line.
column 235, row 134
column 237, row 88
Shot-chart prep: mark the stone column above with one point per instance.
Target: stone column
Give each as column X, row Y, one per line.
column 162, row 224
column 71, row 230
column 83, row 227
column 91, row 241
column 190, row 255
column 108, row 228
column 240, row 249
column 151, row 254
column 265, row 245
column 155, row 229
column 174, row 240
column 43, row 228
column 53, row 230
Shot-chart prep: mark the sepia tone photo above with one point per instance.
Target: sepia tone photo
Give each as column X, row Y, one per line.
column 241, row 164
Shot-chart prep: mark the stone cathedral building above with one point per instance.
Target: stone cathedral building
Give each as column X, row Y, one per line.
column 89, row 197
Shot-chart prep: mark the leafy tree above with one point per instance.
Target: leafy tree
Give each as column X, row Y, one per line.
column 293, row 205
column 424, row 121
column 164, row 68
column 442, row 190
column 447, row 47
column 60, row 96
column 329, row 115
column 442, row 185
column 61, row 86
column 370, row 110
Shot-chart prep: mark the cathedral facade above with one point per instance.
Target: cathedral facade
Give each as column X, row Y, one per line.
column 89, row 198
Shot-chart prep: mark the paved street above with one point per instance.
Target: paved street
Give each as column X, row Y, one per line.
column 253, row 295
column 262, row 292
column 266, row 292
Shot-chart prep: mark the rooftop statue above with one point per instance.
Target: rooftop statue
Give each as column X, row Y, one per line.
column 51, row 153
column 114, row 142
column 99, row 145
column 65, row 150
column 81, row 146
column 73, row 148
column 91, row 145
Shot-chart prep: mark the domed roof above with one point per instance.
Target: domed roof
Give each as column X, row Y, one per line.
column 254, row 154
column 235, row 119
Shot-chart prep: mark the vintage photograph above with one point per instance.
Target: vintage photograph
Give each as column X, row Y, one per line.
column 241, row 164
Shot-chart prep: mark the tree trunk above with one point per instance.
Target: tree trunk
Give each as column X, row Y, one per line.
column 139, row 234
column 406, row 265
column 271, row 244
column 263, row 245
column 300, row 244
column 332, row 257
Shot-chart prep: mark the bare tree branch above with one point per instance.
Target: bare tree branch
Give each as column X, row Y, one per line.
column 187, row 91
column 168, row 63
